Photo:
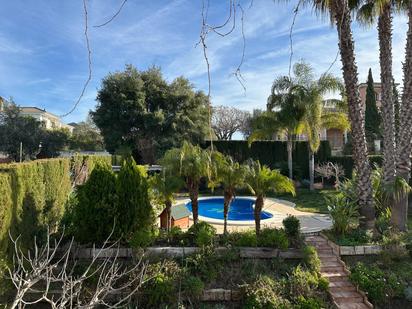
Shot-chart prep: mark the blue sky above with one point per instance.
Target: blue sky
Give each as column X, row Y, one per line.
column 43, row 58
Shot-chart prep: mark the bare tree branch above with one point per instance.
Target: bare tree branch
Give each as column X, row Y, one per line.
column 89, row 59
column 113, row 17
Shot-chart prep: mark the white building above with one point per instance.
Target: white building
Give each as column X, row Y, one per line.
column 49, row 120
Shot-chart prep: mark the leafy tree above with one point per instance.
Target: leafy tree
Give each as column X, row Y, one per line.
column 94, row 214
column 372, row 117
column 86, row 137
column 231, row 175
column 250, row 123
column 53, row 141
column 134, row 213
column 262, row 180
column 192, row 163
column 164, row 186
column 142, row 111
column 16, row 129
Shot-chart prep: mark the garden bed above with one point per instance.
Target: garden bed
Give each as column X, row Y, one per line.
column 353, row 250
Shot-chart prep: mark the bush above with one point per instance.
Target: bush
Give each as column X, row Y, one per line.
column 309, row 303
column 264, row 293
column 302, row 283
column 192, row 286
column 311, row 259
column 292, row 226
column 244, row 239
column 95, row 212
column 274, row 238
column 344, row 213
column 141, row 239
column 203, row 264
column 161, row 289
column 203, row 233
column 379, row 287
column 134, row 211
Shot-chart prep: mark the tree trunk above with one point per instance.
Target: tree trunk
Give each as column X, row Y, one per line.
column 257, row 212
column 311, row 169
column 404, row 147
column 387, row 108
column 356, row 114
column 194, row 195
column 226, row 204
column 290, row 162
column 168, row 205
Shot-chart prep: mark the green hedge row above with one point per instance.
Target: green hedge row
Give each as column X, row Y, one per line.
column 33, row 195
column 273, row 153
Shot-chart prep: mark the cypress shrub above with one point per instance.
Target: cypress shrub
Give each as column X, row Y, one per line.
column 134, row 211
column 33, row 196
column 94, row 215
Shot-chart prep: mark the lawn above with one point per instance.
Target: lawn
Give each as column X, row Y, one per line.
column 310, row 201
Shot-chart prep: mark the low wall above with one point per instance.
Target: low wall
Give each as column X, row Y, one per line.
column 353, row 250
column 176, row 252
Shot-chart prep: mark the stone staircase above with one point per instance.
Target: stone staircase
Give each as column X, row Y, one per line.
column 344, row 294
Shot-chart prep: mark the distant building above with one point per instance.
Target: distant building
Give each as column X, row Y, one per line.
column 50, row 120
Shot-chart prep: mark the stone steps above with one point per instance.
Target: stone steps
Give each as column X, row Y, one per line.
column 344, row 294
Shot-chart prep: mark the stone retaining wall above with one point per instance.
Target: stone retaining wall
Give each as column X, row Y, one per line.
column 353, row 250
column 176, row 252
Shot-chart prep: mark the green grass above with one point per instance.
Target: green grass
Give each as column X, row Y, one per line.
column 310, row 201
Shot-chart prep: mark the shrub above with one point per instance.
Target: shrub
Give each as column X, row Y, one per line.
column 161, row 289
column 95, row 212
column 323, row 284
column 309, row 303
column 263, row 293
column 343, row 211
column 134, row 211
column 193, row 286
column 274, row 238
column 375, row 283
column 311, row 259
column 203, row 233
column 203, row 264
column 292, row 226
column 302, row 282
column 244, row 239
column 141, row 238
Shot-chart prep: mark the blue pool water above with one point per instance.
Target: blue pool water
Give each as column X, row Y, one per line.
column 241, row 208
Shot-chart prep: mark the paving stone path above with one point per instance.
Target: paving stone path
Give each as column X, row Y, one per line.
column 343, row 292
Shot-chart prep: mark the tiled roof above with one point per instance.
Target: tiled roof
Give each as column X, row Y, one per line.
column 179, row 211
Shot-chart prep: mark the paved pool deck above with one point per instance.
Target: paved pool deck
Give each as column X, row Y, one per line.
column 280, row 209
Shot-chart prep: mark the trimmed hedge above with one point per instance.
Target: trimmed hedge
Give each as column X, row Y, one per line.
column 33, row 195
column 273, row 154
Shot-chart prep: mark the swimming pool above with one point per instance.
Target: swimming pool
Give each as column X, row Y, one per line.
column 241, row 209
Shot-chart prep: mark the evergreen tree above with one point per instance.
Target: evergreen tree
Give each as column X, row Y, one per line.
column 134, row 211
column 372, row 117
column 94, row 213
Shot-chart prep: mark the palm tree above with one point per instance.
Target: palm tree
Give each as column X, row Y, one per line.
column 231, row 175
column 261, row 180
column 285, row 111
column 404, row 145
column 311, row 103
column 340, row 14
column 192, row 163
column 164, row 186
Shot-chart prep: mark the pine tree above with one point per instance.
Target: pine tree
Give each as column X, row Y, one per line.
column 373, row 119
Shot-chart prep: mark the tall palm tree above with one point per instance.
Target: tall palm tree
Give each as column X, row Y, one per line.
column 164, row 186
column 367, row 12
column 262, row 180
column 404, row 146
column 314, row 118
column 231, row 175
column 192, row 163
column 340, row 15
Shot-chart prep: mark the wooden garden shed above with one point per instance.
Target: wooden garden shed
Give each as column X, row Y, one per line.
column 179, row 217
